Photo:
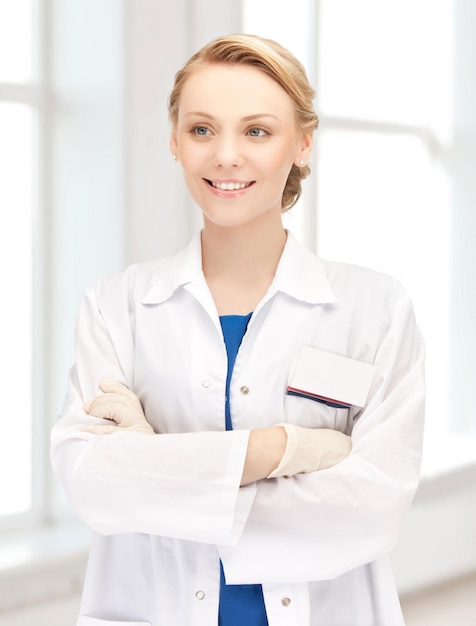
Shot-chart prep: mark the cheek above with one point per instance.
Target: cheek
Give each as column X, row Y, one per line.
column 193, row 176
column 186, row 155
column 193, row 183
column 191, row 162
column 186, row 148
column 280, row 159
column 193, row 159
column 279, row 168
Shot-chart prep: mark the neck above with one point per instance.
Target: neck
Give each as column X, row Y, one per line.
column 239, row 263
column 249, row 252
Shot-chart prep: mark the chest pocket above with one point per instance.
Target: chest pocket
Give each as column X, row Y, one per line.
column 311, row 413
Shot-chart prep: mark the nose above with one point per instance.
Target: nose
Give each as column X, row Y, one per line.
column 228, row 151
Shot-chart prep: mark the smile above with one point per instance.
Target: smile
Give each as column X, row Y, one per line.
column 228, row 186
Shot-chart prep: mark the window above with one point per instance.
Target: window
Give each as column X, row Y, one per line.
column 61, row 181
column 382, row 191
column 19, row 123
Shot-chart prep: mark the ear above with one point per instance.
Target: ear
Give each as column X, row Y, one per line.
column 173, row 144
column 304, row 150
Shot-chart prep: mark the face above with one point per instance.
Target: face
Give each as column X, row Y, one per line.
column 236, row 138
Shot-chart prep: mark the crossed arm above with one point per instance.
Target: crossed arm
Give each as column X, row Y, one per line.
column 281, row 450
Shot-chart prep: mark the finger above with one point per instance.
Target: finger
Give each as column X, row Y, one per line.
column 108, row 406
column 91, row 405
column 87, row 405
column 107, row 385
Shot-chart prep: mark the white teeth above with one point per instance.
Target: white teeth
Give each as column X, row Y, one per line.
column 229, row 186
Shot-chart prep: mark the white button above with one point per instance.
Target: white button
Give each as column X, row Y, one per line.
column 206, row 384
column 200, row 595
column 244, row 390
column 286, row 601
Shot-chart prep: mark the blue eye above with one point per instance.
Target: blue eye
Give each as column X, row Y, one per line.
column 257, row 132
column 200, row 130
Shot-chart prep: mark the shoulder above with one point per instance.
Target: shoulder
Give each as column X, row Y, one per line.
column 373, row 305
column 367, row 297
column 308, row 276
column 348, row 277
column 156, row 279
column 134, row 279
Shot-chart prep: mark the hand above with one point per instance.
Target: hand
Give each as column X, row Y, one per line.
column 266, row 447
column 119, row 405
column 311, row 449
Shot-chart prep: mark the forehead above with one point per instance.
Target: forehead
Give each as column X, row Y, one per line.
column 235, row 89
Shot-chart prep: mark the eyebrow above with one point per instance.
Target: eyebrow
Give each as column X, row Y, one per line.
column 248, row 118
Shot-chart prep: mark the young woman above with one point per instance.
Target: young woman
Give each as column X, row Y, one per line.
column 243, row 422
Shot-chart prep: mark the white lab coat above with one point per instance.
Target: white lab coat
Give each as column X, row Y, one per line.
column 166, row 508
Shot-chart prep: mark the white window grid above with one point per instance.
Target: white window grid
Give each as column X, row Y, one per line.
column 34, row 95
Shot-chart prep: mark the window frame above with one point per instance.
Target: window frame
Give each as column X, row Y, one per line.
column 34, row 95
column 444, row 425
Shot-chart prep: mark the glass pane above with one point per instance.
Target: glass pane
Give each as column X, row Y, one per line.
column 388, row 61
column 385, row 204
column 16, row 28
column 16, row 131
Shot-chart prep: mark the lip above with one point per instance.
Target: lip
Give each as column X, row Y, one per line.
column 242, row 186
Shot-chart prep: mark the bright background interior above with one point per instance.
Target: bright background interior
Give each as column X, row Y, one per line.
column 87, row 186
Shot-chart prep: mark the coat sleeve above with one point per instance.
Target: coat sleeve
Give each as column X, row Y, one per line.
column 318, row 526
column 183, row 486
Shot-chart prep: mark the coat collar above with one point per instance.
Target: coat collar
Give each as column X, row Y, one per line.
column 300, row 274
column 176, row 271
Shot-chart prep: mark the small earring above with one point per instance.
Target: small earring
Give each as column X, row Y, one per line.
column 174, row 157
column 302, row 163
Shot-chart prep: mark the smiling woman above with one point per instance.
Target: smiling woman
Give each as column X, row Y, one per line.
column 198, row 429
column 255, row 137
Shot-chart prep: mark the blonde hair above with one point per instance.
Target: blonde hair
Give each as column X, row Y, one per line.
column 277, row 62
